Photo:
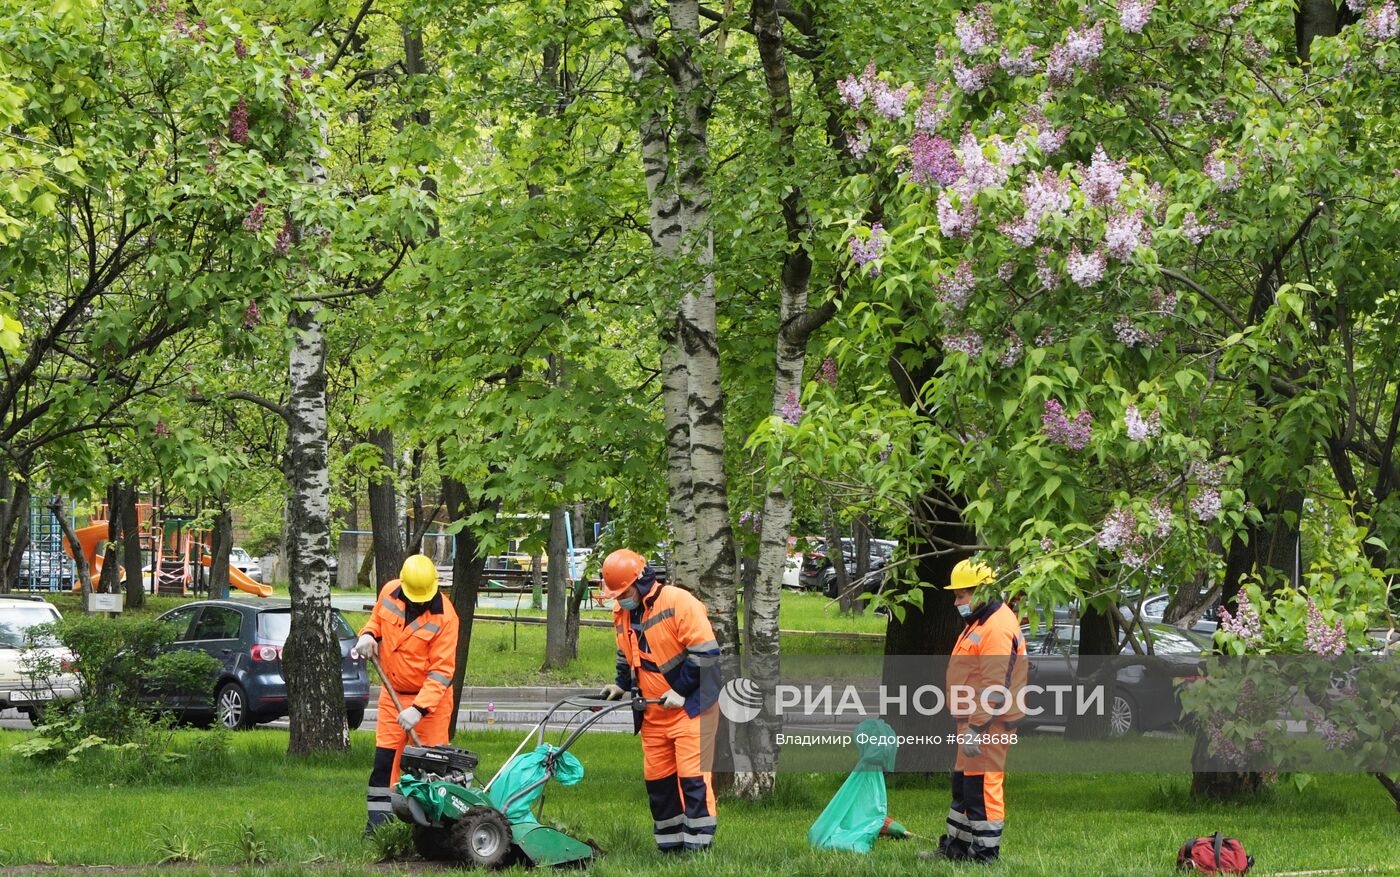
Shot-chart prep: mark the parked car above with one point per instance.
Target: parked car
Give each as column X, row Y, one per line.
column 19, row 615
column 246, row 639
column 1145, row 696
column 42, row 569
column 247, row 563
column 819, row 575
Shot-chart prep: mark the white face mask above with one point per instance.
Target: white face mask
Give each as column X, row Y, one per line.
column 965, row 610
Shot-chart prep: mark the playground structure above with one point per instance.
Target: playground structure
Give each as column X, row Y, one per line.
column 177, row 553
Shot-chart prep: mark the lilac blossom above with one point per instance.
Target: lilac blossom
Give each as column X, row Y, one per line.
column 252, row 316
column 1383, row 22
column 1193, row 229
column 889, row 102
column 1022, row 232
column 867, row 250
column 1139, row 428
column 1223, row 748
column 283, row 244
column 1014, row 348
column 1206, row 505
column 1051, row 140
column 1225, row 176
column 1086, row 269
column 1160, row 515
column 1133, row 14
column 1164, row 302
column 1129, row 333
column 1119, row 528
column 1125, row 235
column 858, row 142
column 1244, row 622
column 1084, row 45
column 956, row 222
column 827, row 374
column 979, row 172
column 1006, row 271
column 968, row 343
column 1102, row 179
column 1045, row 337
column 1021, row 64
column 749, row 521
column 1059, row 66
column 1334, row 738
column 238, row 122
column 933, row 109
column 955, row 289
column 239, row 48
column 971, row 79
column 256, row 215
column 854, row 89
column 1048, row 276
column 162, row 429
column 1045, row 194
column 976, row 30
column 932, row 160
column 1323, row 638
column 1060, row 429
column 791, row 409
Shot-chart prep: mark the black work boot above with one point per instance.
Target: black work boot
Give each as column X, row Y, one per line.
column 949, row 849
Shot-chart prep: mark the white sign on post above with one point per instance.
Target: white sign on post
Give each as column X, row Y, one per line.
column 105, row 602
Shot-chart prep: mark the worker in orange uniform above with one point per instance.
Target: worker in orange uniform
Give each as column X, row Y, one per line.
column 666, row 651
column 988, row 665
column 413, row 632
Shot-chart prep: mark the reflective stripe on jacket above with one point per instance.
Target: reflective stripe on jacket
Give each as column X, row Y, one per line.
column 418, row 656
column 667, row 642
column 990, row 652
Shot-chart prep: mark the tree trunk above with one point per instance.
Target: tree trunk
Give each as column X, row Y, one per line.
column 219, row 550
column 384, row 512
column 132, row 556
column 860, row 542
column 1392, row 788
column 311, row 657
column 836, row 556
column 676, row 421
column 1314, row 18
column 110, row 581
column 1097, row 639
column 14, row 515
column 556, row 650
column 467, row 564
column 84, row 572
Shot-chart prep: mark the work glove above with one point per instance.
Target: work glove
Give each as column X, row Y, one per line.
column 409, row 718
column 671, row 700
column 611, row 692
column 971, row 749
column 366, row 647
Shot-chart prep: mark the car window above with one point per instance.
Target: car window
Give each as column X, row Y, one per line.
column 178, row 621
column 1166, row 641
column 15, row 621
column 217, row 622
column 274, row 626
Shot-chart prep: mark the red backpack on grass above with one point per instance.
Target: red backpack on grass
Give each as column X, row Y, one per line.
column 1214, row 855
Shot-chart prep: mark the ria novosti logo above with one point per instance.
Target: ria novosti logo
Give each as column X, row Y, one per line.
column 740, row 700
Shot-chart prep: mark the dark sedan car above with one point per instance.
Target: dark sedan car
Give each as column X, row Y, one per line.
column 247, row 639
column 1144, row 697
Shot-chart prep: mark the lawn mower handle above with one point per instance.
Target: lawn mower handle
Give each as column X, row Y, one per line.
column 384, row 681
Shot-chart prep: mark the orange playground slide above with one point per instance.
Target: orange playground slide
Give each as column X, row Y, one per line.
column 95, row 532
column 241, row 580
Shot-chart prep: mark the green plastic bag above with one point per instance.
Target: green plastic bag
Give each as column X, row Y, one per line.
column 856, row 814
column 431, row 796
column 528, row 769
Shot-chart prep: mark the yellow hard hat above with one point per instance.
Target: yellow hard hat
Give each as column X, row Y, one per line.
column 968, row 574
column 419, row 578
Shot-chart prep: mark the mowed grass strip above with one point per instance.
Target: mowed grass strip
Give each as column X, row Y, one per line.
column 308, row 814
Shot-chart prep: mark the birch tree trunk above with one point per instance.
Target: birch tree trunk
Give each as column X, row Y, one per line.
column 311, row 658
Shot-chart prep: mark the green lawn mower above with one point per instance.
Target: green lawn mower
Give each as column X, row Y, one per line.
column 498, row 825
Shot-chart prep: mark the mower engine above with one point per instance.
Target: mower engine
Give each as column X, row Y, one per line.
column 447, row 763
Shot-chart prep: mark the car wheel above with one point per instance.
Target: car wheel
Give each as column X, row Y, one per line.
column 354, row 716
column 231, row 707
column 1122, row 717
column 36, row 715
column 829, row 584
column 433, row 844
column 481, row 838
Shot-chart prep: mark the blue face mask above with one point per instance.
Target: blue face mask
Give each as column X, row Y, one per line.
column 965, row 610
column 629, row 605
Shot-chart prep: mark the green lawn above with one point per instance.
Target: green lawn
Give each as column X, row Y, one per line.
column 303, row 812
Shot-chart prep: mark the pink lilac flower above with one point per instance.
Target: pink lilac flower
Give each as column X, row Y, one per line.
column 161, row 429
column 201, row 31
column 1045, row 194
column 1206, row 505
column 238, row 122
column 979, row 172
column 1132, row 335
column 855, row 88
column 1051, row 140
column 749, row 521
column 932, row 160
column 158, row 7
column 1194, row 230
column 1048, row 276
column 213, row 156
column 858, row 143
column 1014, row 348
column 306, row 71
column 1223, row 748
column 1244, row 622
column 1164, row 302
column 791, row 409
column 283, row 245
column 1006, row 271
column 256, row 215
column 889, row 102
column 1022, row 232
column 1125, row 234
column 976, row 30
column 1334, row 738
column 252, row 316
column 1119, row 528
column 968, row 343
column 1021, row 64
column 1133, row 14
column 867, row 250
column 1060, row 429
column 1323, row 638
column 1086, row 269
column 178, row 25
column 1084, row 45
column 1059, row 66
column 1010, row 154
column 1102, row 179
column 933, row 109
column 972, row 79
column 1140, row 428
column 1160, row 516
column 955, row 289
column 885, row 452
column 956, row 222
column 1045, row 337
column 1225, row 176
column 239, row 48
column 827, row 374
column 1383, row 22
column 1357, row 6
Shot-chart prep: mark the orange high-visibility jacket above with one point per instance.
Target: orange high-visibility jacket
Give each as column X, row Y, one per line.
column 668, row 643
column 991, row 651
column 418, row 657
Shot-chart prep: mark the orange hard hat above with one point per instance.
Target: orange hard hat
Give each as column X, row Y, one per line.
column 620, row 569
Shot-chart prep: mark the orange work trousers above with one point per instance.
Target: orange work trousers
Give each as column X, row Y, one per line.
column 677, row 752
column 389, row 742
